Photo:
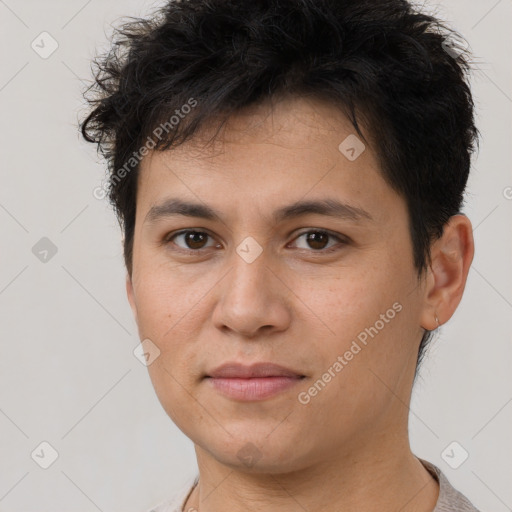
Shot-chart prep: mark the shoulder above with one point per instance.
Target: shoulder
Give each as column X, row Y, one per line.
column 450, row 500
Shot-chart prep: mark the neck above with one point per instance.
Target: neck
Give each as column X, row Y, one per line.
column 371, row 481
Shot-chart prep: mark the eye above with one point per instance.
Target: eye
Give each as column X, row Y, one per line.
column 191, row 240
column 317, row 239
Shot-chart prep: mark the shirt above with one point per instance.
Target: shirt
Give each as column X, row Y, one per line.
column 449, row 500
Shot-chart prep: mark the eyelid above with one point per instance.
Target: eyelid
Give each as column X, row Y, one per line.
column 322, row 230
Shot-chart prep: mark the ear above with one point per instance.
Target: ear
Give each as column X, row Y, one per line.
column 451, row 257
column 131, row 296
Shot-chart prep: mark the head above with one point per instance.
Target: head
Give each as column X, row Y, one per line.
column 251, row 124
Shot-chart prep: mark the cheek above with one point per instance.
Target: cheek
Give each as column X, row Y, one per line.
column 171, row 312
column 156, row 307
column 163, row 297
column 350, row 299
column 370, row 315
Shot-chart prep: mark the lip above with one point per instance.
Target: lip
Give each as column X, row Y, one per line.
column 258, row 381
column 234, row 370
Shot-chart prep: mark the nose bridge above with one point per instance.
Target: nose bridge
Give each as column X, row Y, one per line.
column 248, row 278
column 248, row 298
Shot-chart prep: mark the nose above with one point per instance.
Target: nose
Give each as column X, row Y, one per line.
column 252, row 300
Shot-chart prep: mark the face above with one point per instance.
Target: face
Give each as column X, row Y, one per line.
column 326, row 290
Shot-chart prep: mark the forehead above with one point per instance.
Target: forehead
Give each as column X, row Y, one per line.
column 290, row 122
column 294, row 149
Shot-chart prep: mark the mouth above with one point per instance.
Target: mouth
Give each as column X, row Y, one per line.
column 252, row 383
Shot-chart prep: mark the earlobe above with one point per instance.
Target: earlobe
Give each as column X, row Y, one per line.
column 451, row 257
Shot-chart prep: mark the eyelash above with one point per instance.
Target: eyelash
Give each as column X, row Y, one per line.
column 343, row 240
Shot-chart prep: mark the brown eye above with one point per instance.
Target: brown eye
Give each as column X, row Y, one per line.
column 190, row 240
column 319, row 240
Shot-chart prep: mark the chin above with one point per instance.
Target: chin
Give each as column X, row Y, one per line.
column 274, row 454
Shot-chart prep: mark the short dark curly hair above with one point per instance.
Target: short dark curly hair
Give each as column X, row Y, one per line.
column 396, row 72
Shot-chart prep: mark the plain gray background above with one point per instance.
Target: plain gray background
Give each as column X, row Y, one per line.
column 68, row 375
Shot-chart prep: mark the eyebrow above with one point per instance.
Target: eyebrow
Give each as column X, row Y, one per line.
column 329, row 207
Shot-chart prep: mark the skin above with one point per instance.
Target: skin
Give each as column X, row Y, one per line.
column 295, row 305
